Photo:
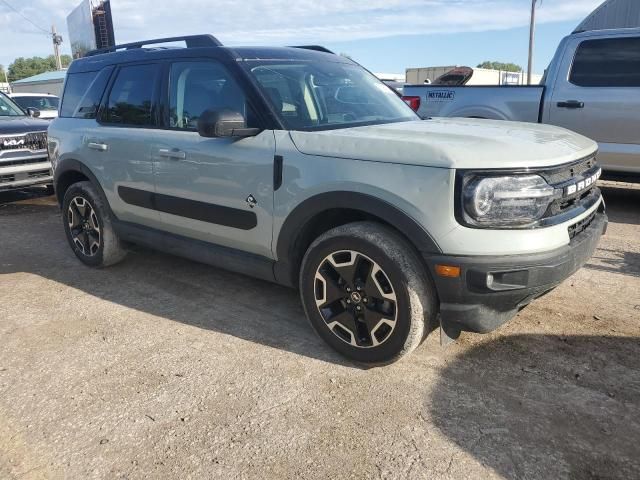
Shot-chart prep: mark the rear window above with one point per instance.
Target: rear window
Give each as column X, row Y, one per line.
column 82, row 93
column 43, row 103
column 611, row 62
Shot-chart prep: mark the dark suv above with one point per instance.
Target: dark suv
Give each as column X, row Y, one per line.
column 23, row 147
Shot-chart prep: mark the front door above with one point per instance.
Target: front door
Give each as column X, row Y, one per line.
column 601, row 96
column 219, row 190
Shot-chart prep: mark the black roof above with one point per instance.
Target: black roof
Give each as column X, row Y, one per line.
column 196, row 45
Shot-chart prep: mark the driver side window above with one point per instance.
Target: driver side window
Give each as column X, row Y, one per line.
column 195, row 87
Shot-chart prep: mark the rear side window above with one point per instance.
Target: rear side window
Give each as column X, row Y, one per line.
column 611, row 62
column 131, row 98
column 75, row 88
column 85, row 104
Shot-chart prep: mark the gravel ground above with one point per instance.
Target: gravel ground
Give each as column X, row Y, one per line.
column 164, row 368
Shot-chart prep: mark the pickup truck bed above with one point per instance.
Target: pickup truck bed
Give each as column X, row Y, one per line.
column 517, row 103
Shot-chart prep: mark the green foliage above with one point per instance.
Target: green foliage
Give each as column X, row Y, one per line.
column 505, row 67
column 27, row 67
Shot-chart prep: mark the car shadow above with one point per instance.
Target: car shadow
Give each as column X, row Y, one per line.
column 10, row 196
column 615, row 261
column 623, row 204
column 623, row 207
column 165, row 286
column 544, row 406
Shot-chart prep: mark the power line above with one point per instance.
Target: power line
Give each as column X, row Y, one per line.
column 26, row 18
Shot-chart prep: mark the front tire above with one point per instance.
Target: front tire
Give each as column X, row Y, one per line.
column 87, row 224
column 366, row 292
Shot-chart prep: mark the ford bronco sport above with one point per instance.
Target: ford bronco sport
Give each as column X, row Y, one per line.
column 298, row 166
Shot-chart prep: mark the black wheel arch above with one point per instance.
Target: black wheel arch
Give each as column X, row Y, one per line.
column 70, row 171
column 324, row 211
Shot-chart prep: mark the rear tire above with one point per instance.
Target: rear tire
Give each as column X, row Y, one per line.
column 366, row 292
column 87, row 224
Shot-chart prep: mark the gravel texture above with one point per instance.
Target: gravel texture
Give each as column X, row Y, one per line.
column 159, row 368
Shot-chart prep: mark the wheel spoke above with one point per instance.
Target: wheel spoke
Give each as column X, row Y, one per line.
column 77, row 216
column 353, row 271
column 375, row 322
column 329, row 285
column 94, row 242
column 93, row 221
column 84, row 238
column 344, row 323
column 378, row 285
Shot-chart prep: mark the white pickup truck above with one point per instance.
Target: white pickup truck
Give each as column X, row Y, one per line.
column 592, row 87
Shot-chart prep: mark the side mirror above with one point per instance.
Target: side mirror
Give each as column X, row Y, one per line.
column 33, row 112
column 224, row 123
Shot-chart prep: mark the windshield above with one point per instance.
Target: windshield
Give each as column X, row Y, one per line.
column 41, row 103
column 8, row 108
column 315, row 95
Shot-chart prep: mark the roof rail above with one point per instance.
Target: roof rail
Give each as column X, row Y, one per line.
column 192, row 41
column 317, row 48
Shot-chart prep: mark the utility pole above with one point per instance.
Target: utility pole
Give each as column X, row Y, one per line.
column 532, row 31
column 57, row 41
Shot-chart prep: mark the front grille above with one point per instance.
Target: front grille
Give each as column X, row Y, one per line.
column 7, row 178
column 40, row 174
column 26, row 161
column 581, row 226
column 29, row 141
column 567, row 176
column 569, row 172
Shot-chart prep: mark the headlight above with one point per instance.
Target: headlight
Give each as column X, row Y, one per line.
column 505, row 201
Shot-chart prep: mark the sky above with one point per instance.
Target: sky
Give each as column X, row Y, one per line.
column 383, row 35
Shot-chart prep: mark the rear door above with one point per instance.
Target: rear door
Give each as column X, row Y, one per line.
column 218, row 190
column 600, row 97
column 122, row 140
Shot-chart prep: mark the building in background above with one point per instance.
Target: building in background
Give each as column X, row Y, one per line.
column 90, row 27
column 48, row 82
column 612, row 14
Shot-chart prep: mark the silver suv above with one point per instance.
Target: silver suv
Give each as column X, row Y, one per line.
column 298, row 166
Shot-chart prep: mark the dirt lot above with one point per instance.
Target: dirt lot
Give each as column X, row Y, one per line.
column 163, row 368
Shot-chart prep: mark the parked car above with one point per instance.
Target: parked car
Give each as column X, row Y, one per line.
column 592, row 87
column 23, row 147
column 300, row 167
column 45, row 103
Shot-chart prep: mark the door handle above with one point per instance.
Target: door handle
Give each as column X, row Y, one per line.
column 571, row 104
column 102, row 147
column 174, row 154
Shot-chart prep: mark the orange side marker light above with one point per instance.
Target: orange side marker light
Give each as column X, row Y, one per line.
column 448, row 271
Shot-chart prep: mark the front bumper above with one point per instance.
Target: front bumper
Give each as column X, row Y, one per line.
column 490, row 290
column 32, row 172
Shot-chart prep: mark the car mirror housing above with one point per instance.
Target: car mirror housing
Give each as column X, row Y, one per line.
column 224, row 123
column 33, row 112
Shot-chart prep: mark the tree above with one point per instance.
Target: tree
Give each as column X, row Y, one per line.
column 505, row 67
column 27, row 67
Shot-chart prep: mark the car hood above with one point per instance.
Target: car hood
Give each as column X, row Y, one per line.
column 450, row 143
column 17, row 125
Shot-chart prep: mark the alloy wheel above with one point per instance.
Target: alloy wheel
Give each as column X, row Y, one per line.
column 84, row 226
column 355, row 298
